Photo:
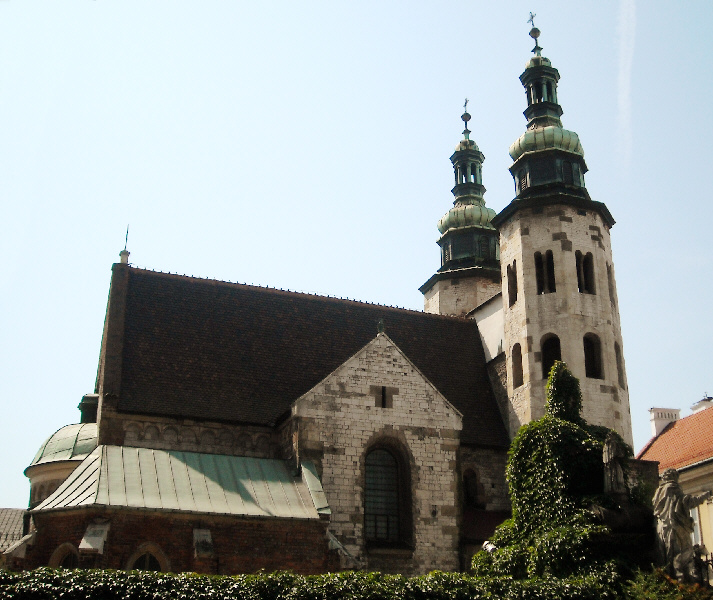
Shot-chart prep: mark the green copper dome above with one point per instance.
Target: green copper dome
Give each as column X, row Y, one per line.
column 466, row 215
column 542, row 138
column 72, row 442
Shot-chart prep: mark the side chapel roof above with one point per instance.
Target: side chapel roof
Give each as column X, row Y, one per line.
column 205, row 349
column 682, row 443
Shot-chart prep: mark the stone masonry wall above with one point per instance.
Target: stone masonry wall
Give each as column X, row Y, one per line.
column 341, row 420
column 566, row 313
column 458, row 296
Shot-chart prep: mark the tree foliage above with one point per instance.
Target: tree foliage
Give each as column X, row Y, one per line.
column 555, row 473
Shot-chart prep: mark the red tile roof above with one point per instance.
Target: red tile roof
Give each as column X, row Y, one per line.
column 683, row 442
column 204, row 349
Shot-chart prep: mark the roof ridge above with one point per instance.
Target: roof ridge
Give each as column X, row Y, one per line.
column 281, row 291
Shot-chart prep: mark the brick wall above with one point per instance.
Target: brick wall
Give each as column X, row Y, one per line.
column 240, row 545
column 341, row 419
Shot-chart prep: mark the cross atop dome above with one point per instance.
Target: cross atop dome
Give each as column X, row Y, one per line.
column 535, row 34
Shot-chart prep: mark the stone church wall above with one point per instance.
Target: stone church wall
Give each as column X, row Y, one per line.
column 340, row 420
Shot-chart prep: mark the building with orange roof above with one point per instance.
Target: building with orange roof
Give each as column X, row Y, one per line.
column 686, row 445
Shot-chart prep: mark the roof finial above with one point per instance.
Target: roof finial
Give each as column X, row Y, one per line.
column 124, row 254
column 380, row 327
column 534, row 34
column 466, row 117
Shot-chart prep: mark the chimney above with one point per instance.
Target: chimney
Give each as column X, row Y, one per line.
column 124, row 256
column 660, row 417
column 88, row 407
column 702, row 404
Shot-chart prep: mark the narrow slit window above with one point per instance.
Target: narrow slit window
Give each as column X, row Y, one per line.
column 517, row 379
column 512, row 283
column 551, row 352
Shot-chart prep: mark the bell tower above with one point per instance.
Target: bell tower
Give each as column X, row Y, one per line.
column 558, row 285
column 470, row 269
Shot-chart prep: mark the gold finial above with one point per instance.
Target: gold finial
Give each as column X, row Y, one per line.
column 534, row 34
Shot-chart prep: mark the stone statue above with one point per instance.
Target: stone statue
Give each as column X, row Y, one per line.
column 674, row 526
column 614, row 454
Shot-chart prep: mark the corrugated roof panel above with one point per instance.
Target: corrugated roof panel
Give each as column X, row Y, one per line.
column 201, row 496
column 263, row 498
column 116, row 486
column 166, row 481
column 149, row 478
column 246, row 488
column 186, row 481
column 212, row 466
column 182, row 483
column 319, row 498
column 132, row 477
column 231, row 488
column 80, row 486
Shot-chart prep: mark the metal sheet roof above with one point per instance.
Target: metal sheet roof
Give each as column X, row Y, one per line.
column 71, row 442
column 121, row 476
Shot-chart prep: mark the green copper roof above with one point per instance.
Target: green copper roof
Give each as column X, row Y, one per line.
column 72, row 442
column 542, row 138
column 120, row 476
column 466, row 215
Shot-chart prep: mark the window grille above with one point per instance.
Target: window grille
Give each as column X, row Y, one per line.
column 381, row 495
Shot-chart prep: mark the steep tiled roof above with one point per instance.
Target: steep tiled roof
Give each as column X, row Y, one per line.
column 213, row 350
column 10, row 526
column 683, row 442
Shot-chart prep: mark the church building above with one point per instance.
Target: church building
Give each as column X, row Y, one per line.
column 234, row 428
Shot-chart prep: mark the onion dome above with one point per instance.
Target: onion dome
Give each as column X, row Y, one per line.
column 547, row 154
column 71, row 442
column 541, row 138
column 467, row 236
column 466, row 215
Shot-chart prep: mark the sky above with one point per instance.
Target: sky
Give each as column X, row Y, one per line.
column 305, row 146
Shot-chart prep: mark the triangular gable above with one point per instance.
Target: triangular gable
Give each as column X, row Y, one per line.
column 381, row 338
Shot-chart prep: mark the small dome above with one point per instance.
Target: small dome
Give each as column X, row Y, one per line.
column 467, row 145
column 542, row 138
column 72, row 442
column 538, row 61
column 466, row 215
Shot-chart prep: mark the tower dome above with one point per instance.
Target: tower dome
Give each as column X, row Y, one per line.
column 469, row 273
column 71, row 442
column 57, row 457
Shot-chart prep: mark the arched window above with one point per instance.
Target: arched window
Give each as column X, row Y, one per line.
column 585, row 272
column 148, row 557
column 512, row 283
column 551, row 352
column 381, row 497
column 65, row 556
column 516, row 366
column 593, row 357
column 146, row 562
column 545, row 273
column 619, row 365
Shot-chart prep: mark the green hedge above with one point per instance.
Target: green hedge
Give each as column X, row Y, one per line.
column 78, row 584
